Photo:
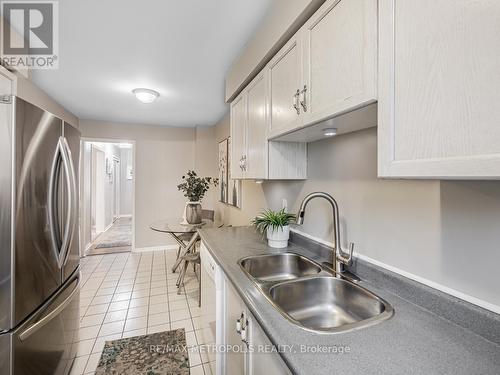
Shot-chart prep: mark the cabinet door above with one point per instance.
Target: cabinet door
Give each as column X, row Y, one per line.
column 339, row 59
column 439, row 85
column 238, row 119
column 263, row 361
column 284, row 72
column 235, row 359
column 256, row 166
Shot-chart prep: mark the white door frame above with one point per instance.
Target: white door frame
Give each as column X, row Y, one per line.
column 97, row 178
column 116, row 187
column 82, row 182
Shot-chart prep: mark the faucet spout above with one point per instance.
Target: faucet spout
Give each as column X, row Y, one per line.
column 340, row 258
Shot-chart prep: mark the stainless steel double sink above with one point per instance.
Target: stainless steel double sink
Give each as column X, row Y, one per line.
column 313, row 298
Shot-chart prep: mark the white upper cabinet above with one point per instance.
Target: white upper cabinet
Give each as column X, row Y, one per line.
column 339, row 59
column 252, row 155
column 256, row 163
column 439, row 84
column 238, row 117
column 328, row 69
column 285, row 77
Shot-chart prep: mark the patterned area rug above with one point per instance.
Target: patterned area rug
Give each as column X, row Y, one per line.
column 119, row 235
column 163, row 353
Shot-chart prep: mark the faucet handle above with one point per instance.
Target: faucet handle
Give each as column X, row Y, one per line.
column 346, row 259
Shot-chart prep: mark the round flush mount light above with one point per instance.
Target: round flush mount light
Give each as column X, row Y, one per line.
column 329, row 132
column 145, row 95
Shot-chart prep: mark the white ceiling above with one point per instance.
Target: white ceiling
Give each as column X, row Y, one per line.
column 180, row 48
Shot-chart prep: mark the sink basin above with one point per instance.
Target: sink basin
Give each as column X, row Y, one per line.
column 279, row 267
column 329, row 304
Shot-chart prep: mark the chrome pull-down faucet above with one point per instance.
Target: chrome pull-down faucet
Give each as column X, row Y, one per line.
column 340, row 258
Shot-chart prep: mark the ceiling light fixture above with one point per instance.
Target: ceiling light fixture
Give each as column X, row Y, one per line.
column 145, row 95
column 329, row 132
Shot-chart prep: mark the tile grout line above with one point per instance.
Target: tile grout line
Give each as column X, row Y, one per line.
column 93, row 271
column 107, row 310
column 130, row 299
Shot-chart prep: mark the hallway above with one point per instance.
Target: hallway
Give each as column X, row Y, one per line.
column 107, row 196
column 117, row 239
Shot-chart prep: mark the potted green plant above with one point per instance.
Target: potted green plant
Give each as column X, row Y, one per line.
column 194, row 189
column 276, row 225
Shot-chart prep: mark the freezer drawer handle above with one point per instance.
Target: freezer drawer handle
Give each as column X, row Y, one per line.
column 46, row 319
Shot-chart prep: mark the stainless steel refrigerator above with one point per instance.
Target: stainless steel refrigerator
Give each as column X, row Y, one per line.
column 39, row 240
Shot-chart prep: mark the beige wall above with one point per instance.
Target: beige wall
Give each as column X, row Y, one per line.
column 162, row 156
column 205, row 160
column 445, row 232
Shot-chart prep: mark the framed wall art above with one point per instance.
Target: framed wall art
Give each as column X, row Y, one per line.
column 229, row 189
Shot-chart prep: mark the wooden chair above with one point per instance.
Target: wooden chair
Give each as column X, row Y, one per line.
column 194, row 259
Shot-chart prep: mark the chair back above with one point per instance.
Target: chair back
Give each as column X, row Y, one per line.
column 208, row 214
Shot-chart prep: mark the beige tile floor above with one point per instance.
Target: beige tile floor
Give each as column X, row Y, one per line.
column 130, row 294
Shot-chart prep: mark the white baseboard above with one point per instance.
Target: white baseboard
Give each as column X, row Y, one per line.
column 128, row 215
column 455, row 293
column 155, row 248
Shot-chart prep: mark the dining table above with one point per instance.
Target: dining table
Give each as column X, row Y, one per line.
column 185, row 234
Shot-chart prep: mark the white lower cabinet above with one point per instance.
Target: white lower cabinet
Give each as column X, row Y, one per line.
column 248, row 348
column 236, row 362
column 262, row 360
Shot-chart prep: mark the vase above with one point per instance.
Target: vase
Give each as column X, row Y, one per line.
column 278, row 237
column 193, row 212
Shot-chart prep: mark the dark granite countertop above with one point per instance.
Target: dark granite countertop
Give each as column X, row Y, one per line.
column 414, row 341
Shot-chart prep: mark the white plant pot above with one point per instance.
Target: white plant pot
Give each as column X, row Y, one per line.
column 278, row 238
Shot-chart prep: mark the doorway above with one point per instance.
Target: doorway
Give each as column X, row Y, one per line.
column 107, row 196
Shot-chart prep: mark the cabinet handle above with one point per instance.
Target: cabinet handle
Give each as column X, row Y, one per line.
column 244, row 163
column 243, row 335
column 303, row 98
column 295, row 102
column 238, row 323
column 238, row 326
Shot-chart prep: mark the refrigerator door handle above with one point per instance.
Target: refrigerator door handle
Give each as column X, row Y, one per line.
column 72, row 200
column 51, row 204
column 24, row 335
